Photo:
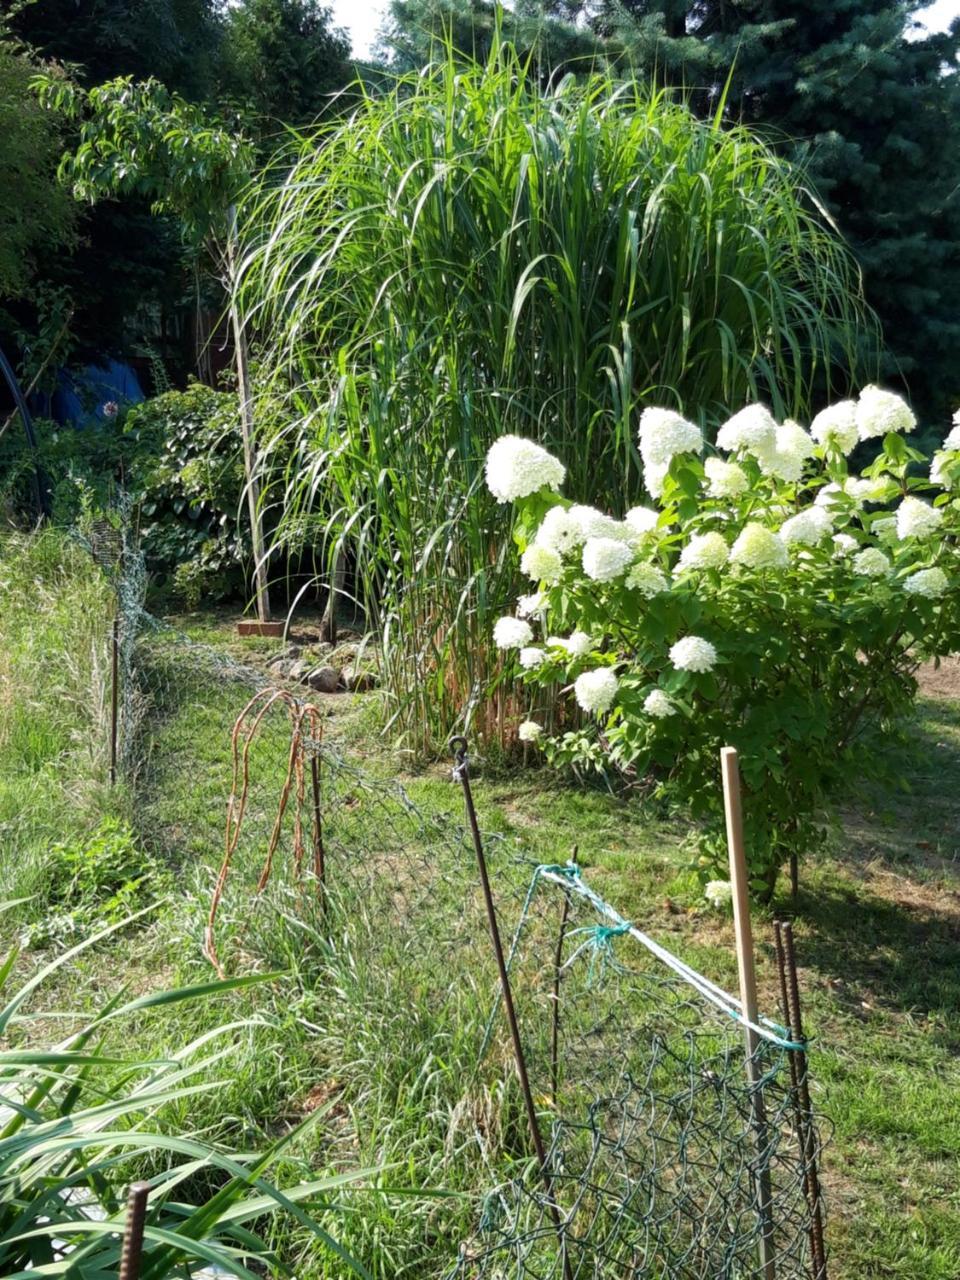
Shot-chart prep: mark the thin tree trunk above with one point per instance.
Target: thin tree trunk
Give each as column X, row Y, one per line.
column 245, row 391
column 328, row 625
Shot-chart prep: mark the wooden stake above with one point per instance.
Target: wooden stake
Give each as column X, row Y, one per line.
column 740, row 884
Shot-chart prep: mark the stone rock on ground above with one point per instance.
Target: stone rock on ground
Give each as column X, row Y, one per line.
column 323, row 679
column 356, row 680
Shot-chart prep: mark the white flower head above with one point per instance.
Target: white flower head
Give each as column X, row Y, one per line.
column 605, row 558
column 647, row 579
column 931, row 583
column 653, row 478
column 718, row 893
column 578, row 644
column 785, row 458
column 807, row 527
column 915, row 519
column 752, row 428
column 596, row 690
column 658, row 705
column 704, row 551
column 594, row 524
column 530, row 731
column 862, row 490
column 512, row 633
column 726, row 479
column 560, row 531
column 642, row 520
column 531, row 657
column 880, row 411
column 836, row 427
column 542, row 564
column 953, row 435
column 758, row 547
column 665, row 433
column 693, row 653
column 529, row 606
column 517, row 467
column 872, row 563
column 844, row 544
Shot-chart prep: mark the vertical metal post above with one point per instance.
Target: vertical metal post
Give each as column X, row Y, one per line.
column 319, row 854
column 748, row 995
column 132, row 1250
column 462, row 775
column 115, row 698
column 555, row 1020
column 809, row 1143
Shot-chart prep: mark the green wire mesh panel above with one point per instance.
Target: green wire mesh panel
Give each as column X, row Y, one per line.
column 655, row 1151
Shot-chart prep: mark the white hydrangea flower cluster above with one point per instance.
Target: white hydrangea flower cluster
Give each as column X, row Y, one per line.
column 512, row 633
column 753, row 428
column 596, row 690
column 529, row 606
column 642, row 520
column 531, row 657
column 530, row 731
column 658, row 705
column 577, row 645
column 784, row 459
column 726, row 479
column 836, row 427
column 931, row 583
column 844, row 544
column 807, row 528
column 560, row 531
column 605, row 559
column 647, row 579
column 872, row 563
column 542, row 564
column 758, row 547
column 518, row 467
column 693, row 653
column 880, row 412
column 664, row 433
column 718, row 893
column 704, row 551
column 916, row 519
column 594, row 524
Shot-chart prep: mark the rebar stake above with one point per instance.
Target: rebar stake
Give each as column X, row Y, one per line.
column 132, row 1250
column 809, row 1149
column 461, row 774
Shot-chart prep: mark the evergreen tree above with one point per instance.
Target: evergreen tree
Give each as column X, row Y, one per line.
column 283, row 59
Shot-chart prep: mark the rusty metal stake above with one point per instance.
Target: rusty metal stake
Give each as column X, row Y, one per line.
column 115, row 700
column 555, row 1022
column 790, row 991
column 133, row 1231
column 319, row 854
column 461, row 774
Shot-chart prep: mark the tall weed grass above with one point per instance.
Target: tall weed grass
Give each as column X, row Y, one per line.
column 474, row 254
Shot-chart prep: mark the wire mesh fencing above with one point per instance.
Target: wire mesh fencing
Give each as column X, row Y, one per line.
column 660, row 1158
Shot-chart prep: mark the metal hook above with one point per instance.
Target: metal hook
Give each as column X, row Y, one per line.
column 458, row 745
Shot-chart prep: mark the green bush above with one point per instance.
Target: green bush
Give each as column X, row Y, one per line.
column 475, row 253
column 186, row 475
column 776, row 601
column 81, row 468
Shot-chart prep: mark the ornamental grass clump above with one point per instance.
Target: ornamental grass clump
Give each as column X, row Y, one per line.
column 479, row 256
column 773, row 601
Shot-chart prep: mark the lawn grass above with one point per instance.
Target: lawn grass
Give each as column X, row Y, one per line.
column 877, row 924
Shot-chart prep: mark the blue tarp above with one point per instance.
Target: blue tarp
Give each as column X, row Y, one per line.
column 81, row 396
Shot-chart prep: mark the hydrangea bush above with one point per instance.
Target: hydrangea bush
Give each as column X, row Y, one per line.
column 767, row 596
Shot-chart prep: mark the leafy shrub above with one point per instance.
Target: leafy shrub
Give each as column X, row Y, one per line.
column 81, row 468
column 186, row 473
column 90, row 881
column 774, row 601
